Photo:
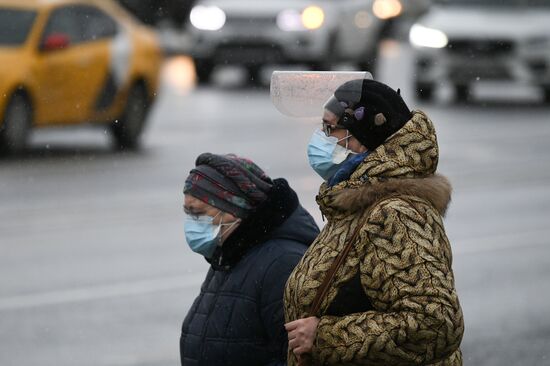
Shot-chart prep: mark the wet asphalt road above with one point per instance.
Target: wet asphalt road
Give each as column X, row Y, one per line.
column 94, row 269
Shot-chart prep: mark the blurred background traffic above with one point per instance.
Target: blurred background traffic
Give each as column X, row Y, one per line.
column 105, row 104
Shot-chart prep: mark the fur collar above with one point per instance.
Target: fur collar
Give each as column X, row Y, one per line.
column 435, row 189
column 281, row 202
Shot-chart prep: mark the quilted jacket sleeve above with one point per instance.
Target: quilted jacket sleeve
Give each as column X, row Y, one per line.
column 272, row 310
column 406, row 272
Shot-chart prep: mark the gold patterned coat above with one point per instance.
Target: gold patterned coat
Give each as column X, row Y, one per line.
column 407, row 310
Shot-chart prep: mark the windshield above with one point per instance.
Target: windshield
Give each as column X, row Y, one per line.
column 497, row 3
column 15, row 26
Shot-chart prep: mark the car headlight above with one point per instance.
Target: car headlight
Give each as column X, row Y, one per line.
column 386, row 9
column 421, row 36
column 311, row 18
column 290, row 20
column 209, row 18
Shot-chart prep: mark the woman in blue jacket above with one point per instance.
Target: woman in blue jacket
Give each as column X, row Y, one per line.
column 253, row 231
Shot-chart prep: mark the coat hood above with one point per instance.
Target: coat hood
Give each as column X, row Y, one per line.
column 280, row 217
column 299, row 227
column 404, row 164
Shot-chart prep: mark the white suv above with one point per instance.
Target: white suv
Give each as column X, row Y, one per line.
column 467, row 41
column 254, row 33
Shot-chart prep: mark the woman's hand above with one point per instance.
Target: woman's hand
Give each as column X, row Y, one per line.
column 301, row 334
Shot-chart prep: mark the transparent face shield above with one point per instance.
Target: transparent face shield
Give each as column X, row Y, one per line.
column 304, row 94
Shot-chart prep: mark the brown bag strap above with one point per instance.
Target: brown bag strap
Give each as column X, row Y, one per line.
column 329, row 278
column 327, row 281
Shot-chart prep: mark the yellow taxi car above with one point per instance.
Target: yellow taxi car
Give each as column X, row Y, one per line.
column 65, row 62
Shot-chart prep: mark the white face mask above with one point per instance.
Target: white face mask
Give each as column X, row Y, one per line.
column 325, row 155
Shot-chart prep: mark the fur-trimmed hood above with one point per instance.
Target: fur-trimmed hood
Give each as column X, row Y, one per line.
column 404, row 165
column 435, row 189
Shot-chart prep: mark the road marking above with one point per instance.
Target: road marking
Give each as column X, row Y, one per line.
column 101, row 292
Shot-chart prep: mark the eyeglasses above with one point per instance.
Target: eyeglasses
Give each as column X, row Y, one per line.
column 191, row 214
column 328, row 129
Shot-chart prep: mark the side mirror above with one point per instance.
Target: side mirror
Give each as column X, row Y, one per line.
column 56, row 41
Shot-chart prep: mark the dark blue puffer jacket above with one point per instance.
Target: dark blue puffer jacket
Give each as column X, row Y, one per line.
column 237, row 319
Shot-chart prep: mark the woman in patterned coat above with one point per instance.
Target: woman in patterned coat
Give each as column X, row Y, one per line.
column 393, row 300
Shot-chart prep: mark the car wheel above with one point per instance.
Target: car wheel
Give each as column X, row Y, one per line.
column 369, row 62
column 203, row 70
column 546, row 94
column 462, row 92
column 424, row 92
column 254, row 75
column 17, row 124
column 368, row 65
column 127, row 130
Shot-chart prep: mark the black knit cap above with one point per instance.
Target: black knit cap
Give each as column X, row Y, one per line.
column 379, row 112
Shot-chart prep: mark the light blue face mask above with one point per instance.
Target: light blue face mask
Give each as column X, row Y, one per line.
column 202, row 235
column 325, row 155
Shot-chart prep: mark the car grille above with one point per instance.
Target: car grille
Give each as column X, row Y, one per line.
column 476, row 48
column 248, row 53
column 239, row 21
column 473, row 72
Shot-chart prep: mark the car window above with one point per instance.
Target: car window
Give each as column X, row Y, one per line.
column 65, row 20
column 81, row 23
column 15, row 26
column 96, row 23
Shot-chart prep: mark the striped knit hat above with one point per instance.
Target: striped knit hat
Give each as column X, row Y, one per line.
column 228, row 182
